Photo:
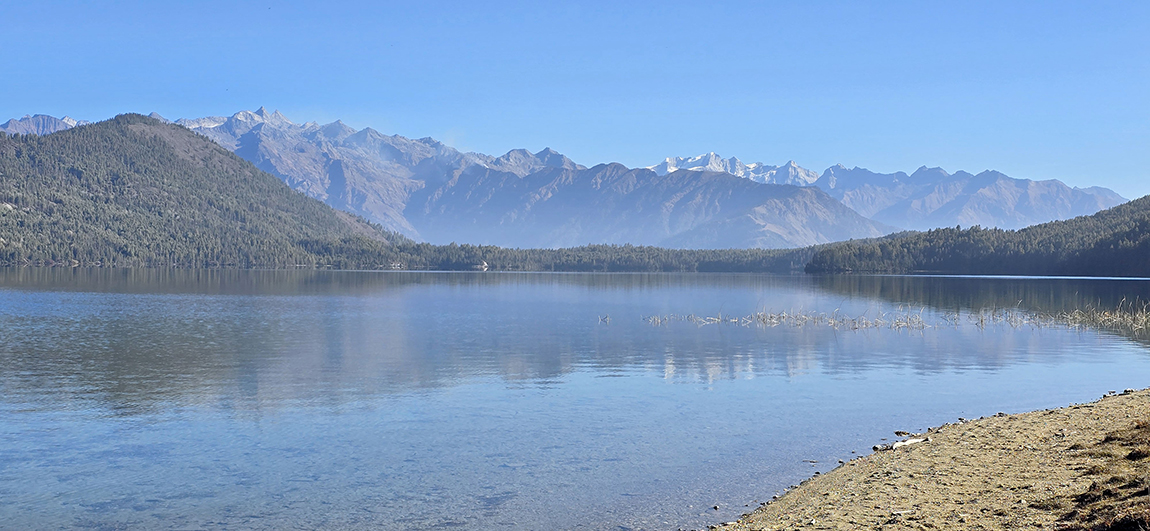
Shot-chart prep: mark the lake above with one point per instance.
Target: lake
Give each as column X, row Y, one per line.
column 390, row 400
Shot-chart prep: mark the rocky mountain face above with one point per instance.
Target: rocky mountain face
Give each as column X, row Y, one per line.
column 40, row 124
column 365, row 171
column 931, row 198
column 427, row 190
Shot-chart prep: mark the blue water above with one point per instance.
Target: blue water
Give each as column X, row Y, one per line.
column 273, row 400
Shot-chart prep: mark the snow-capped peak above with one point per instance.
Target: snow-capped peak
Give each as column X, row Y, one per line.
column 789, row 173
column 206, row 122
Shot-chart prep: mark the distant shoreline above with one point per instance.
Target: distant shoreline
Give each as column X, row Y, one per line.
column 1085, row 466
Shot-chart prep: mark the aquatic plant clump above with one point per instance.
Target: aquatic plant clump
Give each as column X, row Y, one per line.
column 1126, row 319
column 893, row 320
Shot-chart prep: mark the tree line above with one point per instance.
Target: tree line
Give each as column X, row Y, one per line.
column 1113, row 242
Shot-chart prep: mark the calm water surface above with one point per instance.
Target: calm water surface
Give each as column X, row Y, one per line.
column 274, row 400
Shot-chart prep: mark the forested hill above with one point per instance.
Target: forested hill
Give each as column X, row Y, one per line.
column 133, row 191
column 1113, row 242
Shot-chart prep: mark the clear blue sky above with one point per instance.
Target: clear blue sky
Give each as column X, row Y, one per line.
column 1037, row 89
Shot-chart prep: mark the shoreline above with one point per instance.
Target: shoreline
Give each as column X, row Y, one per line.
column 1080, row 467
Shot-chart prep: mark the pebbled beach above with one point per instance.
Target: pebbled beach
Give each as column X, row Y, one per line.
column 1080, row 467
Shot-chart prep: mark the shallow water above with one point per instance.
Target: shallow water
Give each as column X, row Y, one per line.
column 271, row 400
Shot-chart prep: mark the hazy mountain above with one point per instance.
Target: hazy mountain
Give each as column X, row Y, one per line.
column 364, row 171
column 613, row 204
column 789, row 173
column 40, row 124
column 413, row 186
column 430, row 191
column 931, row 198
column 134, row 191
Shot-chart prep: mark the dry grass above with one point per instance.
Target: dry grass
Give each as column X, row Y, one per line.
column 1118, row 498
column 1127, row 319
column 900, row 320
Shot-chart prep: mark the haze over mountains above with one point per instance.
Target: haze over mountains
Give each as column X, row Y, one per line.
column 40, row 124
column 430, row 191
column 931, row 198
column 789, row 173
column 928, row 198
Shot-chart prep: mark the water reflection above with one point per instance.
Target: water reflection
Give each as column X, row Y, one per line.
column 399, row 400
column 132, row 339
column 975, row 293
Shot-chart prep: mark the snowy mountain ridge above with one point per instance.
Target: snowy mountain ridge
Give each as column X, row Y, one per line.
column 789, row 173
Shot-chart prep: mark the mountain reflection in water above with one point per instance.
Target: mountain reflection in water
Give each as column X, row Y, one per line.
column 491, row 399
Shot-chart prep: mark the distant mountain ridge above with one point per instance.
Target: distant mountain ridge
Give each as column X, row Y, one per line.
column 425, row 189
column 929, row 198
column 136, row 191
column 40, row 124
column 789, row 173
column 364, row 171
column 610, row 203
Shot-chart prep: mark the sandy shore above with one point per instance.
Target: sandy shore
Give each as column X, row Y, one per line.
column 1080, row 467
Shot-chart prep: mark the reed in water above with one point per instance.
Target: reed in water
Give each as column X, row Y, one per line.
column 892, row 320
column 1126, row 318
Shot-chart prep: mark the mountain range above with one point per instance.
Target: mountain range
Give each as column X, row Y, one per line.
column 789, row 173
column 427, row 190
column 926, row 199
column 40, row 124
column 931, row 198
column 430, row 191
column 134, row 191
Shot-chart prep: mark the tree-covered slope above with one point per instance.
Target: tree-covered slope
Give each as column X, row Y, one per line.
column 134, row 191
column 1113, row 242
